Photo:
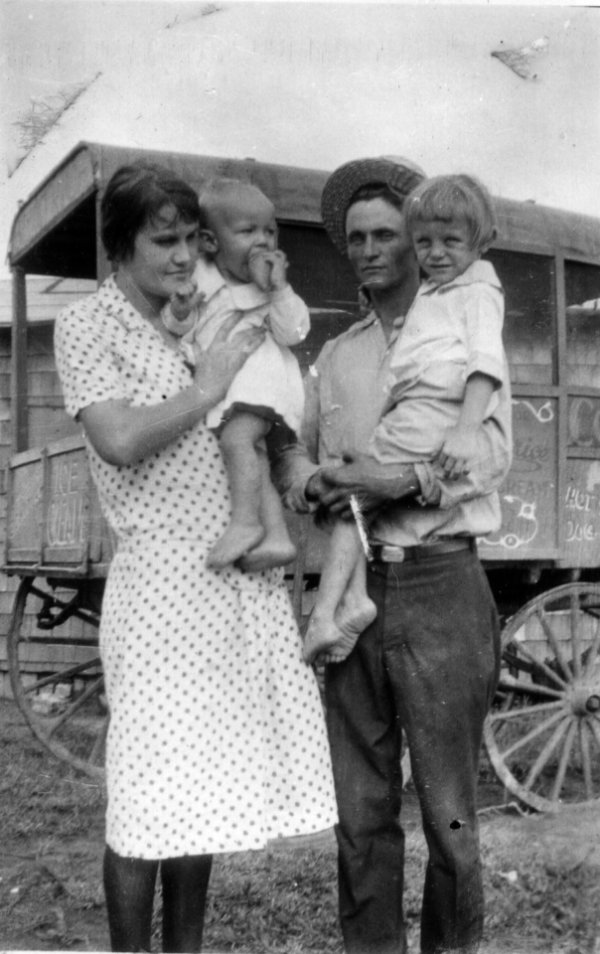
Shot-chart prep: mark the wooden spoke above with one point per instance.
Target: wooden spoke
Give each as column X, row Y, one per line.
column 584, row 746
column 533, row 733
column 546, row 752
column 575, row 634
column 97, row 753
column 81, row 700
column 564, row 761
column 551, row 637
column 64, row 674
column 594, row 727
column 549, row 673
column 591, row 653
column 523, row 712
column 513, row 684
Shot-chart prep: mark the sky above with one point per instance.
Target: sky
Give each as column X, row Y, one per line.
column 312, row 84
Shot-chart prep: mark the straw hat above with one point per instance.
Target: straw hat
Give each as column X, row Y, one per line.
column 399, row 174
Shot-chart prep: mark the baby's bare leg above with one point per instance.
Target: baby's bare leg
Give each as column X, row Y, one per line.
column 239, row 442
column 342, row 608
column 276, row 548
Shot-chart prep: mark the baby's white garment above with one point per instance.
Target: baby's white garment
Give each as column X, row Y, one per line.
column 270, row 380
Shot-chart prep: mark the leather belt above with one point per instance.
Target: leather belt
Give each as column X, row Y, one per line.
column 383, row 553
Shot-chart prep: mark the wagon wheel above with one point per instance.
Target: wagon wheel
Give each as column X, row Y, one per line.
column 544, row 737
column 65, row 706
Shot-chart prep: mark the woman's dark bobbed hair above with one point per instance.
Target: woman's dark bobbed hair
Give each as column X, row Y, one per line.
column 134, row 195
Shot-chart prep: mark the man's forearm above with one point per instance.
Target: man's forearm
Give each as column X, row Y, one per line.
column 374, row 484
column 385, row 483
column 402, row 481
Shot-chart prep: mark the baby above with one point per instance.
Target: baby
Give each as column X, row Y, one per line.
column 447, row 359
column 242, row 271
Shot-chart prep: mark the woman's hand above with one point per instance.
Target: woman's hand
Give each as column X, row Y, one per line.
column 124, row 434
column 217, row 365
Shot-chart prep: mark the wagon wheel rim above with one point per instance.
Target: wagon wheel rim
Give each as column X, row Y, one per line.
column 544, row 740
column 53, row 729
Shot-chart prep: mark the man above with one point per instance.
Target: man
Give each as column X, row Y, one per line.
column 429, row 663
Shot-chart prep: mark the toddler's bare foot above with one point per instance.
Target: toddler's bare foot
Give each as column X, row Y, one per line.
column 351, row 619
column 270, row 552
column 237, row 540
column 320, row 638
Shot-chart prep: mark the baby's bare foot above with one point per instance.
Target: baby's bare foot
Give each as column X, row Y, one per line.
column 269, row 553
column 237, row 540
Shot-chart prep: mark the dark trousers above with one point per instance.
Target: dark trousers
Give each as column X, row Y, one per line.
column 429, row 665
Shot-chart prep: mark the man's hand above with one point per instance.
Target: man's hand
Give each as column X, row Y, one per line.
column 372, row 483
column 316, row 487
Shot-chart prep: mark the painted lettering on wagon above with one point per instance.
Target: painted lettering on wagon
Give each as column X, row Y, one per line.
column 65, row 510
column 530, row 454
column 582, row 520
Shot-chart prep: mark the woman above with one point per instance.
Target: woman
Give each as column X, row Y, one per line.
column 216, row 741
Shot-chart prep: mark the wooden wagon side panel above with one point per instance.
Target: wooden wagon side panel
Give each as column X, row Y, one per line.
column 582, row 513
column 54, row 529
column 529, row 495
column 45, row 418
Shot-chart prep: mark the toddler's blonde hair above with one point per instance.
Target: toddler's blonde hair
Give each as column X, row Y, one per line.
column 460, row 196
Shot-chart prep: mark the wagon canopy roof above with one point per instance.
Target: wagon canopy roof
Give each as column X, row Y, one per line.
column 55, row 230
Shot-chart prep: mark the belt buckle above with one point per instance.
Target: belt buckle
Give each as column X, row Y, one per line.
column 392, row 554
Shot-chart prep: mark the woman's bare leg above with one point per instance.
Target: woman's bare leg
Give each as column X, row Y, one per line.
column 276, row 548
column 239, row 440
column 342, row 608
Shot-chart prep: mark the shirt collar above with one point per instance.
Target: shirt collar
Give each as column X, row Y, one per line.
column 373, row 320
column 372, row 315
column 116, row 304
column 478, row 271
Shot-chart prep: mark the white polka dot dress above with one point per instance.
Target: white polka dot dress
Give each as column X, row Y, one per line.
column 216, row 739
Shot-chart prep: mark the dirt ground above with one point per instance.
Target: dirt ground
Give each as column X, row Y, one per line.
column 50, row 861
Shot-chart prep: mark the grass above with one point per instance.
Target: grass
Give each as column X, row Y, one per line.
column 274, row 902
column 278, row 901
column 541, row 907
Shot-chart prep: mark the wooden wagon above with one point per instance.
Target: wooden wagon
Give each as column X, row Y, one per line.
column 543, row 735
